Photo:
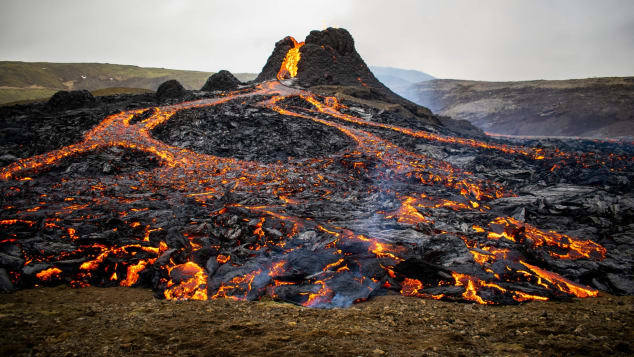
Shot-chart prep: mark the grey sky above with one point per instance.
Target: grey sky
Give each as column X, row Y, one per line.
column 479, row 39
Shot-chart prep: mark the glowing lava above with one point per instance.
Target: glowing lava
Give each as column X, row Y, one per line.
column 204, row 179
column 289, row 65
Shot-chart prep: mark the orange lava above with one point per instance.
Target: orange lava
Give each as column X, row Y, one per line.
column 202, row 177
column 49, row 274
column 412, row 287
column 289, row 65
column 561, row 283
column 407, row 213
column 132, row 275
column 567, row 247
column 193, row 288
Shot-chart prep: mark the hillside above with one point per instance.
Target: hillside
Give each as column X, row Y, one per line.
column 35, row 80
column 593, row 107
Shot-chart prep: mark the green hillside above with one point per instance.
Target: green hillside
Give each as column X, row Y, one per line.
column 36, row 80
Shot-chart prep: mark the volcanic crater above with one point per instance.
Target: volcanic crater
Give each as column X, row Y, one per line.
column 314, row 185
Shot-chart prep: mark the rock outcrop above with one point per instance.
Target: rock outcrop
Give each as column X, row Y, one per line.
column 329, row 57
column 64, row 100
column 222, row 80
column 170, row 89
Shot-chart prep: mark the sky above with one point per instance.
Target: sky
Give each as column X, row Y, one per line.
column 495, row 40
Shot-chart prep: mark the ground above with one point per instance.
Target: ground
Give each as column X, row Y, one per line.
column 127, row 321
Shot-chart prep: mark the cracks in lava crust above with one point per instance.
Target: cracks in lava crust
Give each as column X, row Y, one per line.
column 355, row 216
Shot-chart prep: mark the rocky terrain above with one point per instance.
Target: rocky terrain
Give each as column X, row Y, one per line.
column 314, row 185
column 593, row 107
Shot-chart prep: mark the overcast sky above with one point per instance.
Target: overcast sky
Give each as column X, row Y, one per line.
column 478, row 39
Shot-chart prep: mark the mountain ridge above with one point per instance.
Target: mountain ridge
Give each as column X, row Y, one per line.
column 589, row 107
column 409, row 75
column 585, row 107
column 37, row 80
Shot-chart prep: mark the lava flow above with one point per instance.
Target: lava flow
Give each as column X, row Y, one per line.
column 323, row 231
column 289, row 65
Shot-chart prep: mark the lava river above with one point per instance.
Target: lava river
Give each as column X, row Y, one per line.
column 255, row 234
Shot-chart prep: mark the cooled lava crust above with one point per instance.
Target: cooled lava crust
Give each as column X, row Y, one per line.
column 276, row 191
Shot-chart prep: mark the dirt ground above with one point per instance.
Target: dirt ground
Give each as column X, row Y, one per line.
column 125, row 321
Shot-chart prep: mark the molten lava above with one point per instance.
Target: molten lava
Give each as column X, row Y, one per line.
column 279, row 238
column 289, row 65
column 573, row 248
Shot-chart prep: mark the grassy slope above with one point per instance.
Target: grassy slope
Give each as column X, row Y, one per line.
column 20, row 95
column 32, row 80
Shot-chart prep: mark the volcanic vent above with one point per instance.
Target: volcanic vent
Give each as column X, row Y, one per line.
column 327, row 62
column 322, row 201
column 325, row 57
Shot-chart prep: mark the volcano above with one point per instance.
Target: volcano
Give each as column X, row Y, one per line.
column 313, row 185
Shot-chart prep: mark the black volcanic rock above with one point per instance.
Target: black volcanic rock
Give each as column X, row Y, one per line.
column 27, row 130
column 222, row 80
column 274, row 62
column 170, row 89
column 230, row 131
column 63, row 100
column 328, row 59
column 5, row 282
column 336, row 39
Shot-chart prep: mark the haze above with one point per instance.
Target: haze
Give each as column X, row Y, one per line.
column 480, row 40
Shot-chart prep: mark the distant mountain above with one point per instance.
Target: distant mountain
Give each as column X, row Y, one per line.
column 408, row 75
column 593, row 107
column 34, row 80
column 400, row 80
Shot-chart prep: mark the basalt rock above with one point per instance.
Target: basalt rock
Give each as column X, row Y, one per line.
column 329, row 57
column 235, row 131
column 222, row 80
column 27, row 130
column 5, row 282
column 170, row 89
column 64, row 100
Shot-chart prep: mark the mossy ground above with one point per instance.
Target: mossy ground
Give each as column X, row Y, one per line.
column 126, row 321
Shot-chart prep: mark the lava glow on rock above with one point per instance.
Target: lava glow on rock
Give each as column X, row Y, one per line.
column 353, row 264
column 289, row 65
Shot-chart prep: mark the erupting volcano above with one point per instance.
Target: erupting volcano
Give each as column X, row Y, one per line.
column 318, row 186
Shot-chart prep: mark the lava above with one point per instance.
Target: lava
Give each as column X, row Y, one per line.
column 289, row 65
column 49, row 274
column 513, row 230
column 279, row 233
column 191, row 282
column 561, row 283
